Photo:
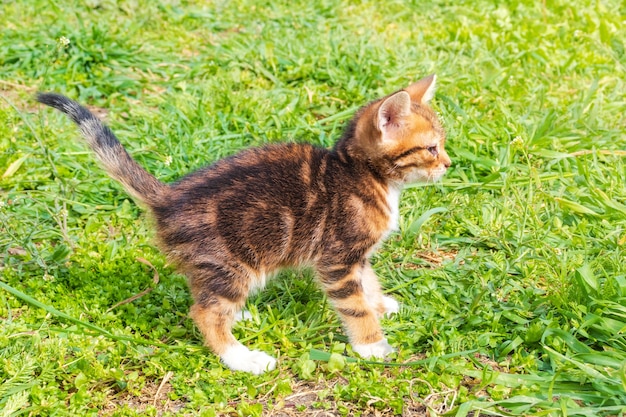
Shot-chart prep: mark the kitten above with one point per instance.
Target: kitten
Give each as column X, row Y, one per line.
column 229, row 226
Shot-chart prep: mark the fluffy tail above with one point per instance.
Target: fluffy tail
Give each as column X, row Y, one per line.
column 117, row 162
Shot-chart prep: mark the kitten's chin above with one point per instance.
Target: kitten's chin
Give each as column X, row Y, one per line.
column 437, row 175
column 425, row 177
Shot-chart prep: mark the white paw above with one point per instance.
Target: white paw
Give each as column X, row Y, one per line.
column 243, row 315
column 391, row 305
column 240, row 358
column 374, row 350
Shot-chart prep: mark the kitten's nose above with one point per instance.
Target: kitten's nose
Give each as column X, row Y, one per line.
column 447, row 162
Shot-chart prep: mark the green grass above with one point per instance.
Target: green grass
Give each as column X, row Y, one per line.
column 511, row 272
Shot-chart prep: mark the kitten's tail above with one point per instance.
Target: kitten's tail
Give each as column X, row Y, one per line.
column 108, row 149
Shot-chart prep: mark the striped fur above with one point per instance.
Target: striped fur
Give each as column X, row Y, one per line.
column 232, row 224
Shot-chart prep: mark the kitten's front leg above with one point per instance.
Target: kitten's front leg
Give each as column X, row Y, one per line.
column 391, row 305
column 243, row 315
column 382, row 304
column 345, row 289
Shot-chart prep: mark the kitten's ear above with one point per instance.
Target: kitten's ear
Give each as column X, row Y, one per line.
column 423, row 90
column 391, row 112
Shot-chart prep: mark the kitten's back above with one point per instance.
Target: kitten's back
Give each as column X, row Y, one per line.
column 274, row 206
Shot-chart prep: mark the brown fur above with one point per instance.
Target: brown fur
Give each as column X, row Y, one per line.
column 232, row 224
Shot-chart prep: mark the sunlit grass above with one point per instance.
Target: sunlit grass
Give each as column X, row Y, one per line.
column 511, row 272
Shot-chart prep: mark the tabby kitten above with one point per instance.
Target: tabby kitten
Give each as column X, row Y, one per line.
column 231, row 225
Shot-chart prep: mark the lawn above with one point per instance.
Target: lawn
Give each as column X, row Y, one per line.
column 511, row 272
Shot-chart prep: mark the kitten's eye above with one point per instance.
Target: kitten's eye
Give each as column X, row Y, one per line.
column 433, row 150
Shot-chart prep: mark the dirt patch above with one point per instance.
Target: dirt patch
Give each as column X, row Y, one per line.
column 311, row 400
column 433, row 259
column 307, row 399
column 154, row 394
column 19, row 95
column 99, row 112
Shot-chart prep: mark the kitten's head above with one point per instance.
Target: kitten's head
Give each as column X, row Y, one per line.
column 401, row 136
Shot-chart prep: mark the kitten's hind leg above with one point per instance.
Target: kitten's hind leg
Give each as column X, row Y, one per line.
column 215, row 322
column 220, row 292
